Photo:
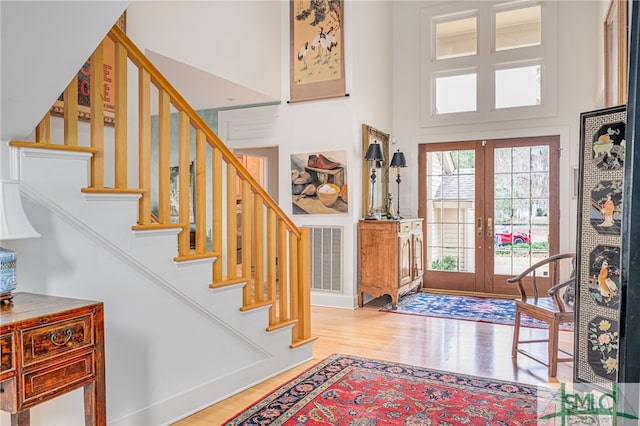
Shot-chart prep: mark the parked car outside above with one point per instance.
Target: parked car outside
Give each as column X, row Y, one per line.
column 512, row 238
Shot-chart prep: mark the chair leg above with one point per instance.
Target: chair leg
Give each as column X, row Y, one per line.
column 553, row 348
column 516, row 334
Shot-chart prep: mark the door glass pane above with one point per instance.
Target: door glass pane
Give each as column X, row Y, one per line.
column 518, row 28
column 521, row 206
column 456, row 38
column 455, row 93
column 451, row 211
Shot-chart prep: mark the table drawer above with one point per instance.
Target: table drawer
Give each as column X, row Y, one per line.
column 55, row 339
column 405, row 227
column 417, row 225
column 6, row 353
column 58, row 378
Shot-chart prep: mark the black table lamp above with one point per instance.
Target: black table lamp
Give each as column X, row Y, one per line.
column 375, row 157
column 398, row 161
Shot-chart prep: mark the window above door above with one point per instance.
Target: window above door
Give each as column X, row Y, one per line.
column 488, row 61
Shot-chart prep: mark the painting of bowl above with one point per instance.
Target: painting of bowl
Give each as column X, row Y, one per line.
column 328, row 194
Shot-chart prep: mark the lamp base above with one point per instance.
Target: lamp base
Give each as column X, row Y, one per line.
column 7, row 274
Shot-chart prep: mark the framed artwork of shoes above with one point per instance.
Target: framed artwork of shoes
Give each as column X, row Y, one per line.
column 318, row 183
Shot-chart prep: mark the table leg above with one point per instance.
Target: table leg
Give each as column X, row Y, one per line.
column 21, row 418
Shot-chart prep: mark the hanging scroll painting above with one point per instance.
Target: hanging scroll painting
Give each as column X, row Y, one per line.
column 317, row 50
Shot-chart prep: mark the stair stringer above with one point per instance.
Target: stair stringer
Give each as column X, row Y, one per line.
column 51, row 182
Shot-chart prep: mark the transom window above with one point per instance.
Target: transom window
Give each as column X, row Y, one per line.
column 488, row 61
column 518, row 28
column 457, row 37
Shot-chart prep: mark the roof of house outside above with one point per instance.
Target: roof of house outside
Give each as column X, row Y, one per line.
column 457, row 186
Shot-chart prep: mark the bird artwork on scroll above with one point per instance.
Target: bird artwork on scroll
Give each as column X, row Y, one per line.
column 317, row 58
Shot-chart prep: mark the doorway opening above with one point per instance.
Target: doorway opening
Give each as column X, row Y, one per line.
column 490, row 209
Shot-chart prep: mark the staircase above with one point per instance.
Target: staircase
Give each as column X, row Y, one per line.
column 167, row 234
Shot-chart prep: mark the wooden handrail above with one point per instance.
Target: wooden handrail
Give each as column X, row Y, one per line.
column 275, row 252
column 138, row 58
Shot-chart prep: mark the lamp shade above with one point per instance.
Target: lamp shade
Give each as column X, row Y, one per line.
column 398, row 160
column 13, row 222
column 374, row 153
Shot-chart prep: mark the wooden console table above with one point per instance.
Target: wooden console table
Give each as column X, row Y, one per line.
column 50, row 346
column 390, row 258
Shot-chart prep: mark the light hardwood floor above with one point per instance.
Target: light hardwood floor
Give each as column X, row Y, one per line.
column 467, row 347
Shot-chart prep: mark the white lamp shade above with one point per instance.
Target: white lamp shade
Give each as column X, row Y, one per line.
column 13, row 222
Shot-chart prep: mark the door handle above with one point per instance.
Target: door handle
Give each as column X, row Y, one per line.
column 479, row 227
column 489, row 227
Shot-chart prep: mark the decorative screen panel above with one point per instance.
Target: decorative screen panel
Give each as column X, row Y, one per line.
column 600, row 203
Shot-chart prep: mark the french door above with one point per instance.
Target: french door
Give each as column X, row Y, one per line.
column 490, row 210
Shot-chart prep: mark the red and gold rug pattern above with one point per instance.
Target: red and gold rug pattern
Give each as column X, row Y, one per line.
column 348, row 390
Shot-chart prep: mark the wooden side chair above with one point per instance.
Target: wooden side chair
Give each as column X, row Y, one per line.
column 555, row 309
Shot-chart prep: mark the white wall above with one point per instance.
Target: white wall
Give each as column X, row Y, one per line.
column 330, row 125
column 382, row 66
column 35, row 67
column 235, row 40
column 578, row 63
column 173, row 345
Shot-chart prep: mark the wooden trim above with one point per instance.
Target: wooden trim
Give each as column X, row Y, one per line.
column 216, row 201
column 615, row 53
column 97, row 118
column 303, row 332
column 24, row 144
column 258, row 246
column 232, row 221
column 195, row 256
column 184, row 181
column 283, row 285
column 164, row 156
column 141, row 61
column 70, row 113
column 43, row 130
column 120, row 122
column 271, row 265
column 112, row 191
column 201, row 192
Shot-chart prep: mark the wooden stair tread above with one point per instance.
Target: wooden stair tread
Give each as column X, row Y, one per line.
column 195, row 256
column 112, row 191
column 25, row 144
column 229, row 281
column 156, row 226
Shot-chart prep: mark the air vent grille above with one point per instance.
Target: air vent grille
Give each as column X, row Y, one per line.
column 326, row 258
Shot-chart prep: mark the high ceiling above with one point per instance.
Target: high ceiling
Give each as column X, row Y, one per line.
column 204, row 90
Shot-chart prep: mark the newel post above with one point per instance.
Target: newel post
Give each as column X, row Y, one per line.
column 302, row 330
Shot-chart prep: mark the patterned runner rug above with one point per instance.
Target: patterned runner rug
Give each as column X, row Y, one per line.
column 497, row 311
column 348, row 390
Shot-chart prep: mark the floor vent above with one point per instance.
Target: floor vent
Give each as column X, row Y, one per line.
column 326, row 258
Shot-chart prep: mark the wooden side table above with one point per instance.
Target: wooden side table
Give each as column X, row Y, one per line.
column 49, row 346
column 390, row 258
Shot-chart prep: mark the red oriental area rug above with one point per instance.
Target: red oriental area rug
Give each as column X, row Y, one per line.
column 348, row 390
